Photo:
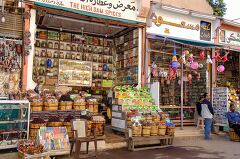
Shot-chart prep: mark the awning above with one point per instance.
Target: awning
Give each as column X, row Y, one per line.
column 186, row 41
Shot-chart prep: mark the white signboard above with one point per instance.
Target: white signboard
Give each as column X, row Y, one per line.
column 123, row 9
column 220, row 105
column 229, row 37
column 181, row 26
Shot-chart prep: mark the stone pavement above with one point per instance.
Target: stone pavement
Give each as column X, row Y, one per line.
column 193, row 147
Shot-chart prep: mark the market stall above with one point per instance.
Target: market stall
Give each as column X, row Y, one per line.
column 180, row 46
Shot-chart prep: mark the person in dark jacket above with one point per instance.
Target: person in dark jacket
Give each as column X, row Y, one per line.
column 198, row 105
column 206, row 112
column 234, row 119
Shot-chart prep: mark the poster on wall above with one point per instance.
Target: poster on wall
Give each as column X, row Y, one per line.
column 75, row 73
column 205, row 31
column 220, row 105
column 54, row 138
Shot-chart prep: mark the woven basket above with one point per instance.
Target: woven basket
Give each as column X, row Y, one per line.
column 233, row 136
column 154, row 131
column 136, row 131
column 66, row 103
column 65, row 107
column 162, row 130
column 170, row 130
column 146, row 130
column 47, row 108
column 68, row 126
column 90, row 108
column 36, row 108
column 54, row 124
column 51, row 104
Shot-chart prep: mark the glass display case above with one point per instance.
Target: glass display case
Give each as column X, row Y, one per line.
column 14, row 122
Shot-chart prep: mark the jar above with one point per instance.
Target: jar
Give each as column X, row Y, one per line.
column 68, row 55
column 61, row 55
column 106, row 51
column 105, row 76
column 78, row 57
column 84, row 48
column 55, row 55
column 104, row 59
column 43, row 53
column 100, row 59
column 84, row 57
column 56, row 45
column 99, row 67
column 109, row 59
column 50, row 45
column 73, row 56
column 73, row 47
column 42, row 62
column 89, row 49
column 95, row 75
column 61, row 46
column 37, row 44
column 94, row 58
column 79, row 48
column 55, row 63
column 49, row 54
column 68, row 47
column 95, row 50
column 36, row 53
column 43, row 44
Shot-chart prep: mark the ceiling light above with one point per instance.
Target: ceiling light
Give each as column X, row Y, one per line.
column 172, row 9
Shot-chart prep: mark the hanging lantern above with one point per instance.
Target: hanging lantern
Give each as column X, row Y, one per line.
column 220, row 68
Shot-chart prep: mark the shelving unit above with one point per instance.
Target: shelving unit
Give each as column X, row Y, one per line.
column 127, row 58
column 55, row 45
column 14, row 122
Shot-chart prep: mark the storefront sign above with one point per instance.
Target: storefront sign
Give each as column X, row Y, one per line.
column 114, row 8
column 158, row 21
column 205, row 31
column 171, row 24
column 229, row 37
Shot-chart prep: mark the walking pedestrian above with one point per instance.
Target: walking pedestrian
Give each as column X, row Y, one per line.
column 206, row 112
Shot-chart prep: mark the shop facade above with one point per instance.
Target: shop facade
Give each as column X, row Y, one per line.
column 179, row 57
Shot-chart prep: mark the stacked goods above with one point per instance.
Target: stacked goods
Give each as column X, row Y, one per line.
column 79, row 103
column 35, row 125
column 68, row 125
column 54, row 121
column 92, row 105
column 233, row 97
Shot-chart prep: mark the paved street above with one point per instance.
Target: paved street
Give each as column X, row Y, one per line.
column 184, row 148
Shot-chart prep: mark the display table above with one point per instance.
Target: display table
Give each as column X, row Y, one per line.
column 150, row 142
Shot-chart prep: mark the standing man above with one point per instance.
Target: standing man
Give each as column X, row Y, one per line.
column 207, row 113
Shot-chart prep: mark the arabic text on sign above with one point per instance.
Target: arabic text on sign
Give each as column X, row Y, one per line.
column 158, row 21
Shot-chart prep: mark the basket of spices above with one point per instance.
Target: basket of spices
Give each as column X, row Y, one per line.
column 51, row 103
column 79, row 103
column 65, row 105
column 162, row 129
column 54, row 121
column 36, row 104
column 154, row 129
column 146, row 128
column 170, row 129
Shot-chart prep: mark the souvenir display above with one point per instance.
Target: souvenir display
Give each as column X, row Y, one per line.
column 53, row 46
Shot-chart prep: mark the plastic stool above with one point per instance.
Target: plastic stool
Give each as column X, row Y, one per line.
column 200, row 123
